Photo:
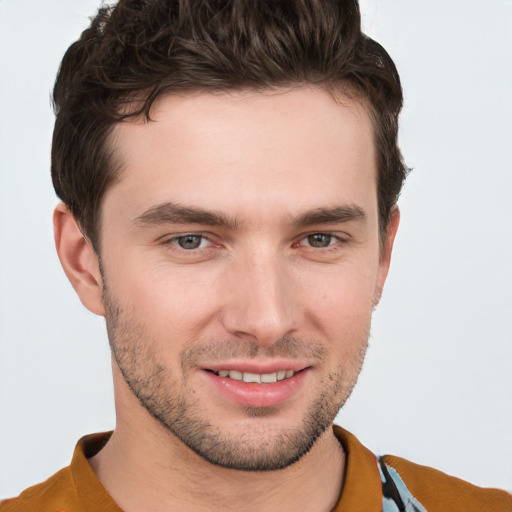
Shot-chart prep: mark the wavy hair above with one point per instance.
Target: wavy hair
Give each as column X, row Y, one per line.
column 138, row 50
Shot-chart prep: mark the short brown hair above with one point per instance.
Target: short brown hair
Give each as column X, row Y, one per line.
column 138, row 50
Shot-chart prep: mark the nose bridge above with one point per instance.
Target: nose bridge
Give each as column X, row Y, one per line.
column 261, row 304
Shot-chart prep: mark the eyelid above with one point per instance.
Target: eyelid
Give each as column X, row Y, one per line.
column 340, row 239
column 173, row 240
column 333, row 234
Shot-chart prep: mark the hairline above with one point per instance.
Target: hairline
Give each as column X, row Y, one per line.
column 338, row 90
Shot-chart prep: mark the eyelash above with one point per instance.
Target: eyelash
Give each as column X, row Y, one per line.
column 337, row 240
column 175, row 241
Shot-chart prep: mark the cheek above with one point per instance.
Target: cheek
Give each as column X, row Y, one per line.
column 169, row 300
column 182, row 304
column 340, row 302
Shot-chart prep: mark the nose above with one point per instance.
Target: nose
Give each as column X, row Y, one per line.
column 260, row 300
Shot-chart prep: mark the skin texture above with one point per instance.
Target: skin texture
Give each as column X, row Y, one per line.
column 279, row 269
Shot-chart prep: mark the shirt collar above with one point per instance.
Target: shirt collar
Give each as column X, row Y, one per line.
column 361, row 489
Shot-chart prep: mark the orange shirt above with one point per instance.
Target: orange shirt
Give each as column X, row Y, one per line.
column 77, row 489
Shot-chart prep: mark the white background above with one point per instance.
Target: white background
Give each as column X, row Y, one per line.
column 437, row 384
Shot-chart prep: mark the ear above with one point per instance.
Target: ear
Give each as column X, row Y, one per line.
column 385, row 252
column 78, row 259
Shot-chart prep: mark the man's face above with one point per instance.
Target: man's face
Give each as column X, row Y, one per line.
column 240, row 258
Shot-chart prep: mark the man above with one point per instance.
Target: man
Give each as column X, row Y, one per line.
column 229, row 176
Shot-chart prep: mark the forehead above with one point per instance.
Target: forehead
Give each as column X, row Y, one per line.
column 247, row 149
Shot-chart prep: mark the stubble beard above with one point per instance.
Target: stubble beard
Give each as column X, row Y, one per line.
column 173, row 405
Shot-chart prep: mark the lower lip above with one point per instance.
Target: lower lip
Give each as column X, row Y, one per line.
column 258, row 395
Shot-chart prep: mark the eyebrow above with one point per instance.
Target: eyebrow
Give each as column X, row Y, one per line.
column 172, row 213
column 332, row 215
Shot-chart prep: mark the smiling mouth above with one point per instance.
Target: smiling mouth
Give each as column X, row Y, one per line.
column 258, row 378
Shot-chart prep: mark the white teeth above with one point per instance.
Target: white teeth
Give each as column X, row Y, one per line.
column 252, row 377
column 269, row 377
column 265, row 378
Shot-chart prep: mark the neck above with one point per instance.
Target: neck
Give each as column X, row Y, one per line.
column 149, row 469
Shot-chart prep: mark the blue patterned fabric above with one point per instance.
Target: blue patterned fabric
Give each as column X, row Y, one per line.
column 395, row 495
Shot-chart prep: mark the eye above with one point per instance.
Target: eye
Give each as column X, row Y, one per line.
column 320, row 240
column 190, row 242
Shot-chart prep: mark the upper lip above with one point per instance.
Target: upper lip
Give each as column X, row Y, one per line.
column 258, row 368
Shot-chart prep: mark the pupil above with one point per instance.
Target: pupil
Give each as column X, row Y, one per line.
column 189, row 241
column 319, row 240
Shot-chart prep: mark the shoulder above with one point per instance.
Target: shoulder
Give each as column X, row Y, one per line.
column 391, row 484
column 73, row 489
column 437, row 491
column 56, row 493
